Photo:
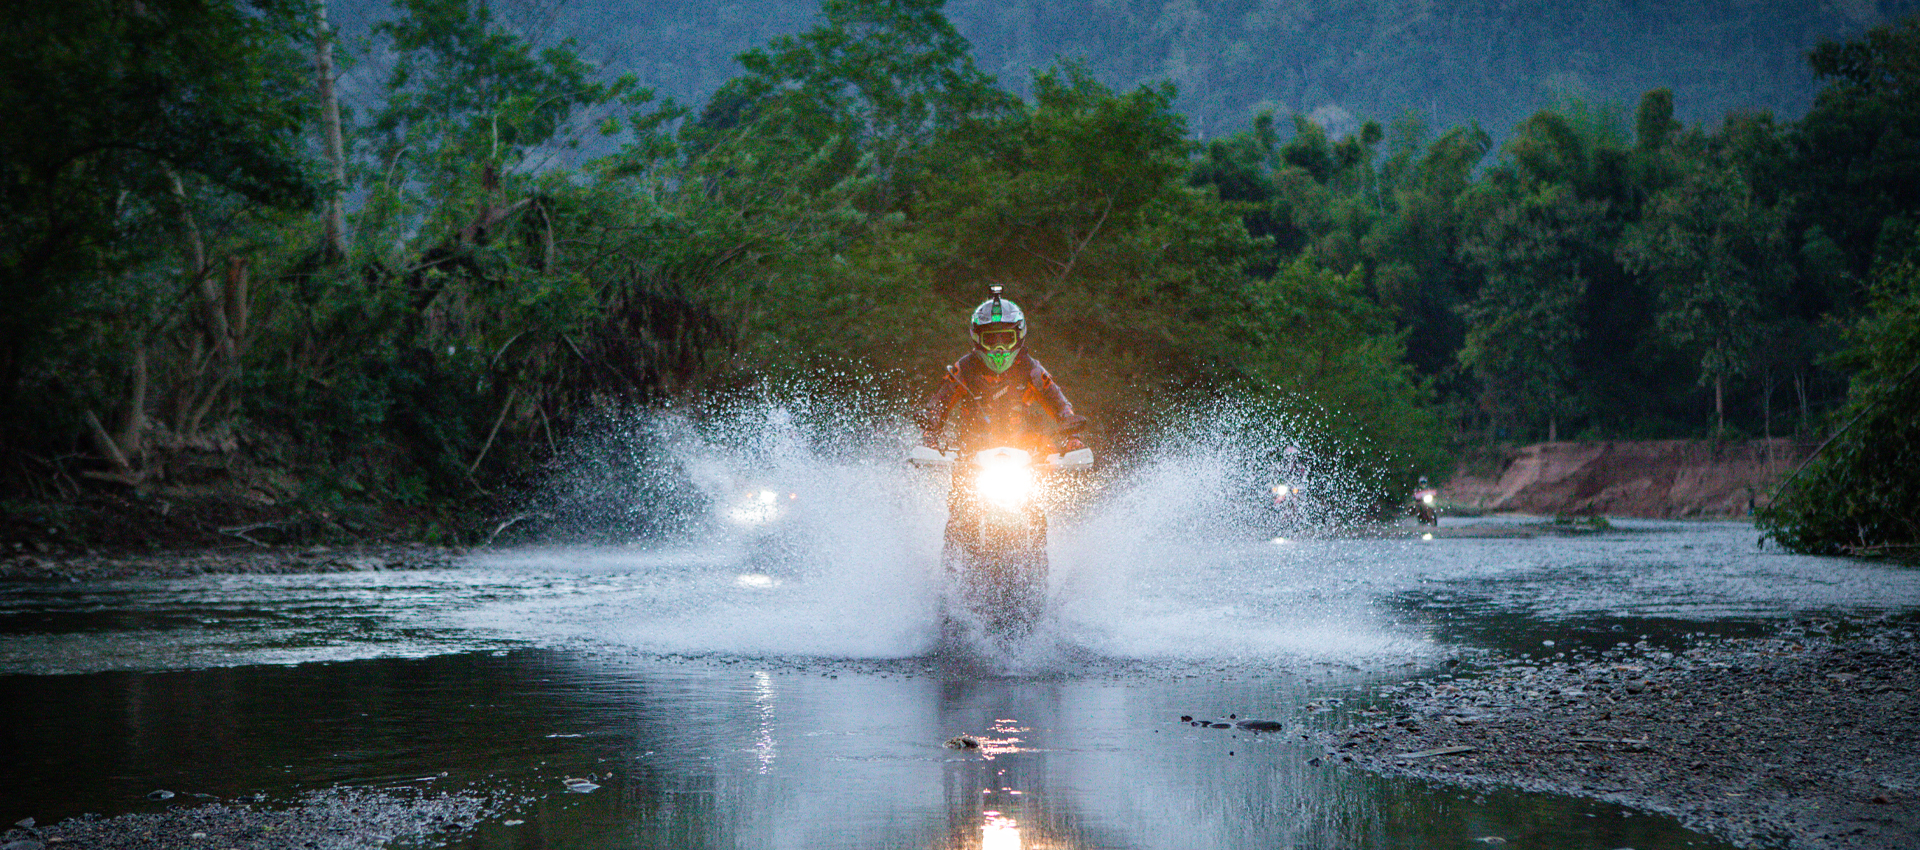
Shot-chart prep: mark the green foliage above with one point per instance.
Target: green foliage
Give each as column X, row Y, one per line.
column 1589, row 281
column 1524, row 326
column 1313, row 337
column 840, row 204
column 877, row 88
column 1711, row 251
column 1082, row 209
column 466, row 105
column 1859, row 495
column 120, row 117
column 1856, row 149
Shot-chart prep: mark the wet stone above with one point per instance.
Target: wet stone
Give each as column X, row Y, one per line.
column 1736, row 737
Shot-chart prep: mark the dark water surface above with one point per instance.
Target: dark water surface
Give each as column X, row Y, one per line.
column 716, row 701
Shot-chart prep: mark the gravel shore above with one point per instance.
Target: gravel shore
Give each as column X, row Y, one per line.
column 1809, row 739
column 336, row 819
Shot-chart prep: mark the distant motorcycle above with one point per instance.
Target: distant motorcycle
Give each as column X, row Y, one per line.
column 759, row 518
column 1425, row 508
column 996, row 549
column 1286, row 493
column 1288, row 503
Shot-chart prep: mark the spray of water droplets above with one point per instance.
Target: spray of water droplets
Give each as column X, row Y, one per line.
column 802, row 532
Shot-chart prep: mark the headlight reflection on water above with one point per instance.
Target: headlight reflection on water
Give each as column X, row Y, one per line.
column 999, row 833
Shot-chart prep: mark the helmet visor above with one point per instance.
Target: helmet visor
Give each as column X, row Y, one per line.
column 998, row 339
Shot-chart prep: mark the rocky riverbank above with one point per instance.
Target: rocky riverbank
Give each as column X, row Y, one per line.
column 336, row 819
column 1808, row 740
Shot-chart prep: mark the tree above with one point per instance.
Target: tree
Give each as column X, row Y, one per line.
column 1082, row 208
column 1711, row 251
column 1858, row 494
column 1524, row 324
column 1418, row 269
column 1312, row 338
column 1858, row 149
column 878, row 86
column 1653, row 122
column 128, row 123
column 466, row 106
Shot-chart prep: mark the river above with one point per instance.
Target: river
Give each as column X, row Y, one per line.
column 701, row 693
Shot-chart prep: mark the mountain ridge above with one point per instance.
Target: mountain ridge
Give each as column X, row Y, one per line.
column 1449, row 61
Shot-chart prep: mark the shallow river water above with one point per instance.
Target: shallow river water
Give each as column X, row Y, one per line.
column 713, row 700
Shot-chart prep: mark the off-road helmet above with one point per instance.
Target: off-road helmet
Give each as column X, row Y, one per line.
column 999, row 329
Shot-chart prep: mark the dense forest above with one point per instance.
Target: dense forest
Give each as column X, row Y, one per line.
column 213, row 269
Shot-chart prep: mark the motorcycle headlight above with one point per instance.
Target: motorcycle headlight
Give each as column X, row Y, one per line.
column 1005, row 485
column 1427, row 498
column 756, row 508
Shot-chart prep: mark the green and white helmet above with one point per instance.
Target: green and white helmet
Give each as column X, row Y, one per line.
column 999, row 329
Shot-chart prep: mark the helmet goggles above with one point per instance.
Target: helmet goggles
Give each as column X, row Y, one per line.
column 999, row 337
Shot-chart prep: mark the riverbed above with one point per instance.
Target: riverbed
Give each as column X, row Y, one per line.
column 653, row 695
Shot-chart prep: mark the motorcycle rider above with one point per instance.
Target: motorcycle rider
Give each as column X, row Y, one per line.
column 1423, row 503
column 1004, row 396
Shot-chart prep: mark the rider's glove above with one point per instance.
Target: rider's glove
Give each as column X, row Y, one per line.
column 1071, row 443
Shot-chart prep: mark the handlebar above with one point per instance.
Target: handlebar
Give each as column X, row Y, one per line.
column 928, row 457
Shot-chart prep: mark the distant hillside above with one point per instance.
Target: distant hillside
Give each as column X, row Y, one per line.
column 1494, row 61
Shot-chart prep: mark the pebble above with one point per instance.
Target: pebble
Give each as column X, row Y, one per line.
column 1734, row 736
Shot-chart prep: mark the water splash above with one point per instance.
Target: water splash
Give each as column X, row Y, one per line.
column 816, row 540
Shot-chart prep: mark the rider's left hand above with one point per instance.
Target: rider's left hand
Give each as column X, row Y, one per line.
column 1071, row 443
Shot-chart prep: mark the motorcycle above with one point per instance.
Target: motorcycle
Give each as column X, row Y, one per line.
column 1424, row 508
column 758, row 518
column 1288, row 505
column 996, row 547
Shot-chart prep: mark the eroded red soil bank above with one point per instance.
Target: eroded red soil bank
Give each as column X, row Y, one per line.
column 1654, row 478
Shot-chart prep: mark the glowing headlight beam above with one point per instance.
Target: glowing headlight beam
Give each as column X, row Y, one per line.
column 1007, row 484
column 758, row 507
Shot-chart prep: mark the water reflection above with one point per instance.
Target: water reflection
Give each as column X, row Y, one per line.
column 1000, row 832
column 611, row 752
column 696, row 706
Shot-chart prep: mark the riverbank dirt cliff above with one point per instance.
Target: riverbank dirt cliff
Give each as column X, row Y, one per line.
column 1653, row 479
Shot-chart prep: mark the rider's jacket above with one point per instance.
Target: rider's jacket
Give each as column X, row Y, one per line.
column 998, row 409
